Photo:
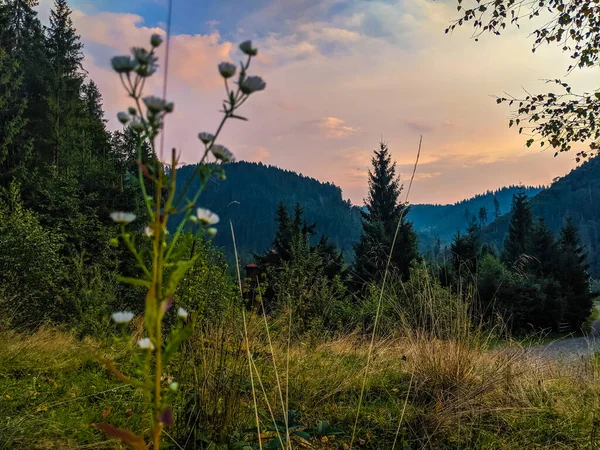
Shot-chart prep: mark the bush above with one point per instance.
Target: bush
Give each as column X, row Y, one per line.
column 30, row 261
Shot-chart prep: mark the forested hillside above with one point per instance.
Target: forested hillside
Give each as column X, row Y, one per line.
column 576, row 195
column 250, row 195
column 249, row 198
column 443, row 221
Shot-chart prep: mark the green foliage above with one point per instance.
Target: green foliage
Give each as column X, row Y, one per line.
column 207, row 288
column 557, row 120
column 303, row 289
column 252, row 191
column 421, row 303
column 573, row 277
column 30, row 261
column 519, row 229
column 385, row 213
column 443, row 221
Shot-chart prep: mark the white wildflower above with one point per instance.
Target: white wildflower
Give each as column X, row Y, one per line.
column 154, row 104
column 252, row 84
column 206, row 137
column 148, row 232
column 182, row 313
column 247, row 48
column 221, row 153
column 122, row 317
column 146, row 343
column 207, row 217
column 136, row 125
column 122, row 217
column 123, row 64
column 227, row 70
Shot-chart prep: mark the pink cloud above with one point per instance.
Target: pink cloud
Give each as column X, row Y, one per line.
column 335, row 128
column 399, row 78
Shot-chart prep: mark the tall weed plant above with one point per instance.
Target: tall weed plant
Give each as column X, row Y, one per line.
column 165, row 266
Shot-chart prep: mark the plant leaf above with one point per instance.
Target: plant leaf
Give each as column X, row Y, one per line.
column 177, row 338
column 134, row 441
column 134, row 281
column 179, row 272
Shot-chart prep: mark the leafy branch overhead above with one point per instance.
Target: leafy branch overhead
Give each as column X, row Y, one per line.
column 555, row 120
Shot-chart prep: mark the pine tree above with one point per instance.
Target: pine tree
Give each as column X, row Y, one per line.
column 22, row 38
column 283, row 236
column 497, row 212
column 543, row 251
column 379, row 222
column 15, row 145
column 519, row 230
column 465, row 250
column 573, row 277
column 65, row 106
column 483, row 217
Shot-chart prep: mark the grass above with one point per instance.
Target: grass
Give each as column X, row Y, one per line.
column 455, row 393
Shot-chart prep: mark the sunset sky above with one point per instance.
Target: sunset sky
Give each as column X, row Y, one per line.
column 340, row 76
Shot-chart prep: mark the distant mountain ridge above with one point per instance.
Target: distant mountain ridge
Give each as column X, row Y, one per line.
column 250, row 195
column 443, row 221
column 576, row 195
column 249, row 198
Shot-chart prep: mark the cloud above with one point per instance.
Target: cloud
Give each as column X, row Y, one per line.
column 258, row 154
column 335, row 128
column 340, row 74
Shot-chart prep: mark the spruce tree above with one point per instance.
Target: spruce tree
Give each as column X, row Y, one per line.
column 66, row 108
column 573, row 277
column 519, row 229
column 483, row 217
column 543, row 251
column 283, row 236
column 379, row 222
column 465, row 250
column 15, row 145
column 22, row 38
column 497, row 212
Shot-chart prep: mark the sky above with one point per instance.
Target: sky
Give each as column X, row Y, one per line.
column 341, row 75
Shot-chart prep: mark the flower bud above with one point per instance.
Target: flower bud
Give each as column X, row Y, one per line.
column 132, row 111
column 206, row 138
column 122, row 64
column 123, row 117
column 136, row 125
column 252, row 84
column 154, row 104
column 169, row 107
column 227, row 70
column 247, row 48
column 211, row 232
column 156, row 40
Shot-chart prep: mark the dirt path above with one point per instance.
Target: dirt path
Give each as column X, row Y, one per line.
column 572, row 347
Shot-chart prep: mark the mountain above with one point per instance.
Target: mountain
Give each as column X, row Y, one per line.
column 250, row 195
column 576, row 195
column 249, row 198
column 443, row 221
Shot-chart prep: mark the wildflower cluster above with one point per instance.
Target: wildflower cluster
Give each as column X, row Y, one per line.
column 161, row 277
